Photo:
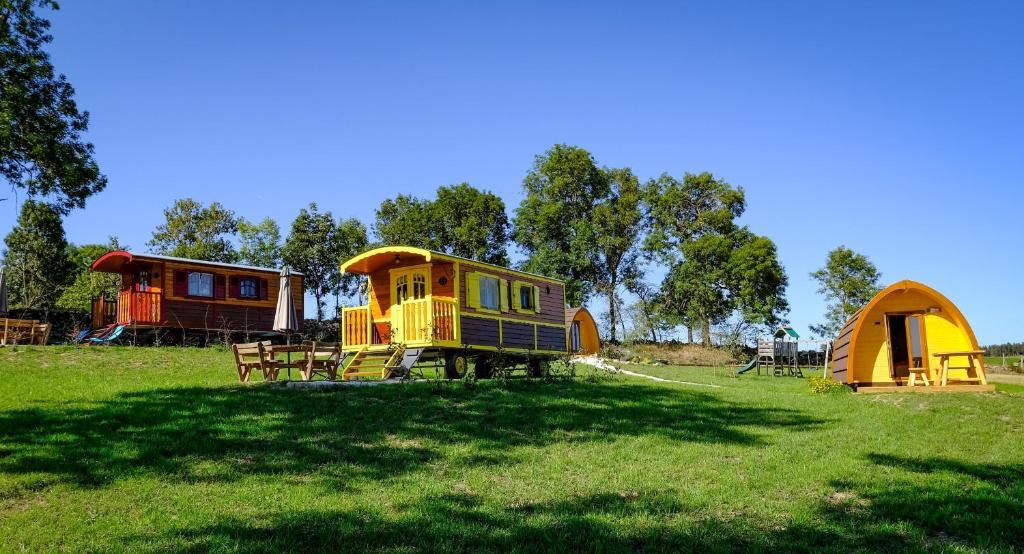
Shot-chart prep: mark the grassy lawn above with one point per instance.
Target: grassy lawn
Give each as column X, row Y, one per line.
column 157, row 450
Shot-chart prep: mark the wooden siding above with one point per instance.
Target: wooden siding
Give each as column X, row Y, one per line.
column 552, row 296
column 517, row 335
column 380, row 283
column 551, row 338
column 477, row 331
column 841, row 349
column 202, row 313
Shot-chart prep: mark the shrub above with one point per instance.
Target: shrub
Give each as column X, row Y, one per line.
column 824, row 385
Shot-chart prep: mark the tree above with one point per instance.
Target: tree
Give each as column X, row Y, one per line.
column 41, row 128
column 197, row 232
column 405, row 220
column 36, row 257
column 259, row 243
column 88, row 284
column 471, row 223
column 618, row 220
column 848, row 281
column 350, row 239
column 554, row 222
column 462, row 220
column 312, row 248
column 717, row 266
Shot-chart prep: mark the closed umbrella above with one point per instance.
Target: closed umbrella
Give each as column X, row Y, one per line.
column 3, row 291
column 284, row 317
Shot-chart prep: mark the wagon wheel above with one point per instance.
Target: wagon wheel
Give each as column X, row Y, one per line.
column 456, row 366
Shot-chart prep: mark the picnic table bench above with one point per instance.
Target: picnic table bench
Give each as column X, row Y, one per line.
column 975, row 363
column 29, row 331
column 311, row 359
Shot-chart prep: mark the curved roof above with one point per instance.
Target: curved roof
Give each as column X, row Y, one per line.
column 114, row 261
column 373, row 260
column 846, row 340
column 571, row 313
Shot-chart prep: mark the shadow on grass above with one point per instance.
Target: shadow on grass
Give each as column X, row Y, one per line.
column 974, row 507
column 223, row 434
column 977, row 509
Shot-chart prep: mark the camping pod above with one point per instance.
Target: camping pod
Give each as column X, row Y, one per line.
column 907, row 329
column 581, row 330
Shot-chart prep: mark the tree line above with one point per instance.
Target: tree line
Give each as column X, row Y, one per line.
column 601, row 229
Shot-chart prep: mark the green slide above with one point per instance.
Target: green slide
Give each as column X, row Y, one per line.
column 748, row 367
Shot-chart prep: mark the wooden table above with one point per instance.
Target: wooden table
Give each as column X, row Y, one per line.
column 287, row 349
column 975, row 361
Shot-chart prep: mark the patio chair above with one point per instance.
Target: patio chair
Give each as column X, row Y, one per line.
column 107, row 338
column 253, row 355
column 324, row 366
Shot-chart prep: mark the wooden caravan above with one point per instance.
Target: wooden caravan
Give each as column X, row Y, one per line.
column 582, row 332
column 425, row 303
column 909, row 337
column 164, row 291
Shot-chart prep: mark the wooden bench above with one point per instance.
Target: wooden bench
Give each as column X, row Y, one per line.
column 327, row 365
column 975, row 363
column 253, row 355
column 28, row 331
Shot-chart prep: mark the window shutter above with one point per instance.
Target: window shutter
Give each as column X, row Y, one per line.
column 473, row 289
column 264, row 289
column 218, row 287
column 235, row 290
column 503, row 293
column 517, row 300
column 536, row 300
column 180, row 283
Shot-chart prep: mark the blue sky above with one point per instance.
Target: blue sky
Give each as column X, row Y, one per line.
column 895, row 128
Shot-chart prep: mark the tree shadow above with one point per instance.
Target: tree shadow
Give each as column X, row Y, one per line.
column 342, row 436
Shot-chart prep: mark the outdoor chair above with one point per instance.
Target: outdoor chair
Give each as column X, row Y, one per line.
column 253, row 355
column 328, row 362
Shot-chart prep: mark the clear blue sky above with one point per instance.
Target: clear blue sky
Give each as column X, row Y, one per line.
column 895, row 128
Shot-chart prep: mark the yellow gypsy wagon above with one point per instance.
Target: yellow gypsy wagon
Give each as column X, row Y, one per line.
column 425, row 305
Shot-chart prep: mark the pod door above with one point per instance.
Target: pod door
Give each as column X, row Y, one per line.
column 906, row 344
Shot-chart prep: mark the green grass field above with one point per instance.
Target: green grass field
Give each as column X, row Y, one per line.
column 160, row 450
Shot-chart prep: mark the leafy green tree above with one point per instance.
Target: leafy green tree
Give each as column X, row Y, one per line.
column 618, row 223
column 554, row 223
column 472, row 223
column 462, row 220
column 848, row 281
column 259, row 243
column 194, row 231
column 36, row 258
column 350, row 239
column 717, row 266
column 312, row 247
column 89, row 284
column 405, row 220
column 41, row 146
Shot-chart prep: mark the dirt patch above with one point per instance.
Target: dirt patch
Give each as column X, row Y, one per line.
column 678, row 354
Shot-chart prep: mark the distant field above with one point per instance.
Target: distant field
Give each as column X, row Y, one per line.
column 160, row 450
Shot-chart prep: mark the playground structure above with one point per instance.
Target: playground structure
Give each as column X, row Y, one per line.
column 785, row 353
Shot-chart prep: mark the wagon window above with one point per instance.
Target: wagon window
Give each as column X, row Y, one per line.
column 248, row 287
column 200, row 284
column 526, row 297
column 489, row 293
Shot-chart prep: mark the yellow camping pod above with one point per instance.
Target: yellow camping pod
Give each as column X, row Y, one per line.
column 907, row 335
column 581, row 331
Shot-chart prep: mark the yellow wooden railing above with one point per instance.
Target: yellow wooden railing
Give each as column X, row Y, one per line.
column 139, row 307
column 356, row 326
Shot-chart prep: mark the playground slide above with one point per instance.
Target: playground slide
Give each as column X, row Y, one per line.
column 748, row 367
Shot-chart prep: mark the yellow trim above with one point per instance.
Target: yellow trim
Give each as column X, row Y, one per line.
column 513, row 320
column 458, row 305
column 427, row 254
column 514, row 350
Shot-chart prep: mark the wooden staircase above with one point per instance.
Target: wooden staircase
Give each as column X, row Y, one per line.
column 374, row 363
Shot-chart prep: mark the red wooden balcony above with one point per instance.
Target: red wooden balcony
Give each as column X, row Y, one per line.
column 139, row 308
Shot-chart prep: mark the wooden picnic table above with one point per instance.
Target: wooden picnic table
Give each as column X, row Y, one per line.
column 309, row 364
column 975, row 362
